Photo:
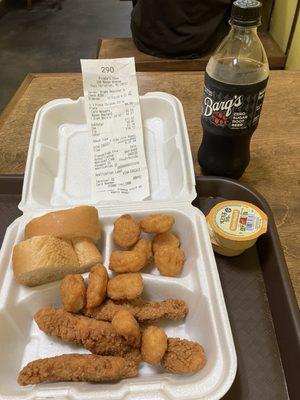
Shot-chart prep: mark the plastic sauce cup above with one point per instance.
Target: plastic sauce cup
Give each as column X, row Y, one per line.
column 235, row 225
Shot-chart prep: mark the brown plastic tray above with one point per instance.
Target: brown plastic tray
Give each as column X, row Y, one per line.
column 261, row 304
column 260, row 300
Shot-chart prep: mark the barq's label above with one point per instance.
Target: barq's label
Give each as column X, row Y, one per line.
column 239, row 220
column 232, row 106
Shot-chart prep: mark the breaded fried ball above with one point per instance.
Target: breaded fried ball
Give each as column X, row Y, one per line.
column 125, row 286
column 154, row 345
column 127, row 261
column 157, row 223
column 73, row 293
column 169, row 260
column 183, row 356
column 144, row 246
column 127, row 326
column 126, row 231
column 165, row 239
column 96, row 290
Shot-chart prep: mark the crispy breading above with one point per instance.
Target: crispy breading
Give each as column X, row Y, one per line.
column 99, row 337
column 127, row 261
column 73, row 293
column 144, row 246
column 169, row 260
column 183, row 356
column 143, row 311
column 97, row 284
column 77, row 367
column 154, row 345
column 157, row 223
column 126, row 325
column 165, row 239
column 125, row 286
column 126, row 231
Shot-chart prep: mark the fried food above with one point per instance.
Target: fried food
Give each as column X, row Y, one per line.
column 126, row 325
column 77, row 367
column 126, row 231
column 125, row 286
column 134, row 355
column 183, row 356
column 73, row 293
column 96, row 290
column 98, row 337
column 169, row 260
column 127, row 261
column 143, row 311
column 157, row 223
column 165, row 239
column 145, row 247
column 154, row 345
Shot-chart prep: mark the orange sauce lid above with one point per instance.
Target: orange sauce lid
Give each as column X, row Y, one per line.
column 237, row 220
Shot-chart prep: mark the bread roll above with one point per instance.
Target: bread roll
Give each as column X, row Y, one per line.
column 43, row 259
column 75, row 222
column 86, row 251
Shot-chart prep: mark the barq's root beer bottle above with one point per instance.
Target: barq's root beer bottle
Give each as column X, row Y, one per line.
column 235, row 83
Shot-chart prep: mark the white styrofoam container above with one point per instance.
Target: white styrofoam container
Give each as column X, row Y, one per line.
column 57, row 176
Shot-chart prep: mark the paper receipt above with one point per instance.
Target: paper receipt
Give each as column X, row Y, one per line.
column 119, row 168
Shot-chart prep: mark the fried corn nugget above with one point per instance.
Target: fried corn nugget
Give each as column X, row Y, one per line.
column 96, row 290
column 169, row 260
column 98, row 337
column 126, row 231
column 154, row 345
column 73, row 293
column 127, row 261
column 145, row 247
column 125, row 286
column 157, row 223
column 126, row 325
column 77, row 367
column 143, row 311
column 165, row 239
column 183, row 356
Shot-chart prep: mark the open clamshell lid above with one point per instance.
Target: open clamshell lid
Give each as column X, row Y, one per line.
column 58, row 165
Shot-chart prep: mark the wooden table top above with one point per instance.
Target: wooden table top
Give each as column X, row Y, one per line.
column 275, row 147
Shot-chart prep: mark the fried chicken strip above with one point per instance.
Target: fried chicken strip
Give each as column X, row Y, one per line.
column 77, row 367
column 183, row 356
column 143, row 311
column 99, row 337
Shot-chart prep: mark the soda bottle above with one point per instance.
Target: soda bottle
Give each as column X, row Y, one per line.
column 235, row 83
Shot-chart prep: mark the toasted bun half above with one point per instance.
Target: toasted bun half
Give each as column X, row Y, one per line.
column 82, row 221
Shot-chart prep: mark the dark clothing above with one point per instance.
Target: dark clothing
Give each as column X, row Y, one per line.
column 179, row 28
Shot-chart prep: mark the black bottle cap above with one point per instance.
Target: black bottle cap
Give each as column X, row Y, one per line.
column 246, row 12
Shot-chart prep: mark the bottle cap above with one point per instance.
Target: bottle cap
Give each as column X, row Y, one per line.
column 246, row 12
